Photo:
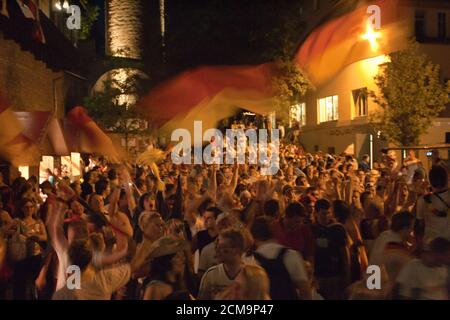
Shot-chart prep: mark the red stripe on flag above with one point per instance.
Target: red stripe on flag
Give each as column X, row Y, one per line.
column 184, row 92
column 79, row 116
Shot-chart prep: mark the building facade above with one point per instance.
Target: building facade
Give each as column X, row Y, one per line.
column 335, row 116
column 36, row 77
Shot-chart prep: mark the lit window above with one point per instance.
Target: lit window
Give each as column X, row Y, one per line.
column 298, row 115
column 360, row 102
column 328, row 109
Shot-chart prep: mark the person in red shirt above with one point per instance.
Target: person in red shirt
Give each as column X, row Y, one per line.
column 291, row 231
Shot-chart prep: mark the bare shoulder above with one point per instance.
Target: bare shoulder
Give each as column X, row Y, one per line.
column 157, row 291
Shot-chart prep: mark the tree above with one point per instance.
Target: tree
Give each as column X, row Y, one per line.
column 410, row 96
column 289, row 85
column 114, row 107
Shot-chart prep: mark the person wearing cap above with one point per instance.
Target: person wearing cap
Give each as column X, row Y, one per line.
column 167, row 265
column 426, row 277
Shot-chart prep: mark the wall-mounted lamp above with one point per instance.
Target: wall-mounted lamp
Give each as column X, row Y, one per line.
column 58, row 5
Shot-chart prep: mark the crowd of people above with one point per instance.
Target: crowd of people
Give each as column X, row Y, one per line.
column 182, row 232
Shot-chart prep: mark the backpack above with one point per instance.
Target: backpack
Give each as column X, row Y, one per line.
column 281, row 285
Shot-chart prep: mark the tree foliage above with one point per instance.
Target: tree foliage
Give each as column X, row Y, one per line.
column 289, row 85
column 410, row 96
column 114, row 106
column 90, row 16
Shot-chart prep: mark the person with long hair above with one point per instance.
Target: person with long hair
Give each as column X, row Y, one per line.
column 27, row 270
column 167, row 269
column 177, row 229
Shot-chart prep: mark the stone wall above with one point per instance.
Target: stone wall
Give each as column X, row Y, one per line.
column 125, row 27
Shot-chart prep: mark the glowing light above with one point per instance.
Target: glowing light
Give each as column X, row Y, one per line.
column 368, row 68
column 66, row 4
column 125, row 28
column 58, row 5
column 162, row 13
column 372, row 36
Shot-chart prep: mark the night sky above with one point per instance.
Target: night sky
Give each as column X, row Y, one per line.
column 212, row 32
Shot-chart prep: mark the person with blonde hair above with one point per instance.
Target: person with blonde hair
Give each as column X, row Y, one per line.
column 252, row 283
column 153, row 228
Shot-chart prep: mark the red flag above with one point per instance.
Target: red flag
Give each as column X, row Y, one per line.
column 15, row 147
column 92, row 138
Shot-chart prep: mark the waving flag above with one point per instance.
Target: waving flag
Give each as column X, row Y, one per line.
column 31, row 11
column 351, row 38
column 92, row 138
column 15, row 147
column 215, row 90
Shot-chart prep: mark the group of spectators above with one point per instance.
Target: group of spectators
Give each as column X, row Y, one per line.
column 165, row 231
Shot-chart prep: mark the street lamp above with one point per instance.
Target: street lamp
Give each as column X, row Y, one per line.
column 58, row 5
column 372, row 36
column 66, row 5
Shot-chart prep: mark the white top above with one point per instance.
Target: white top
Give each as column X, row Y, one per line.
column 100, row 287
column 207, row 257
column 376, row 255
column 214, row 281
column 434, row 226
column 293, row 261
column 432, row 282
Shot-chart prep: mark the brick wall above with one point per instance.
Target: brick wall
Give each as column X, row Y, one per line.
column 27, row 83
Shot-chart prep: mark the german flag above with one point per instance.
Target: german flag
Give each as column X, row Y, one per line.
column 92, row 138
column 209, row 94
column 350, row 38
column 15, row 147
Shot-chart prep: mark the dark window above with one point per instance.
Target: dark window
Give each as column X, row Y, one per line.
column 361, row 102
column 420, row 25
column 316, row 5
column 442, row 25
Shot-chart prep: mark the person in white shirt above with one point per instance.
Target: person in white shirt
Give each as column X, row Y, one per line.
column 230, row 247
column 94, row 284
column 433, row 210
column 389, row 251
column 426, row 278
